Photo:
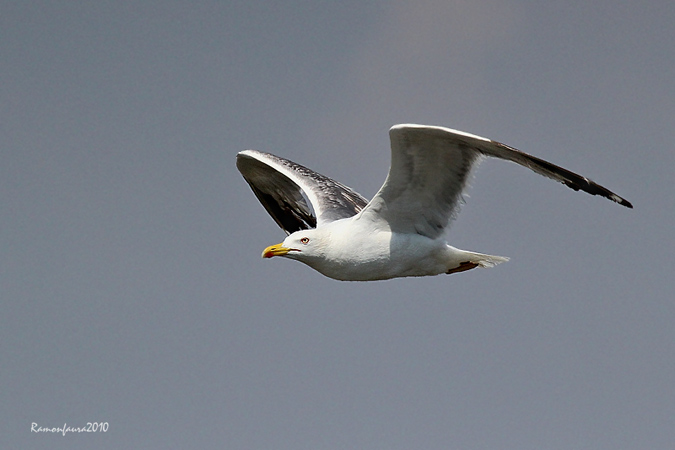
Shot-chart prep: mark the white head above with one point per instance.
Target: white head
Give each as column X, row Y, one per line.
column 303, row 245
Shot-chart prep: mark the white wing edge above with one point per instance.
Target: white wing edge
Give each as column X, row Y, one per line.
column 268, row 159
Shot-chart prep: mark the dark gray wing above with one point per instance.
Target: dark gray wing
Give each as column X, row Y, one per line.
column 550, row 170
column 296, row 197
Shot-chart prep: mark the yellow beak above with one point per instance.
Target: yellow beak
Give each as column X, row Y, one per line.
column 275, row 250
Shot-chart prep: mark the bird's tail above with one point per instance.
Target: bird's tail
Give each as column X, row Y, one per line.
column 462, row 260
column 484, row 260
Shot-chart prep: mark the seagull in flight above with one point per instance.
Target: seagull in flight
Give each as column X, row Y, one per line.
column 400, row 231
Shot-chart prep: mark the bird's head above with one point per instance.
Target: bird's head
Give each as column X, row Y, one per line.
column 302, row 245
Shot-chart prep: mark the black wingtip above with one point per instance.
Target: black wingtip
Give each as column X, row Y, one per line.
column 620, row 200
column 626, row 203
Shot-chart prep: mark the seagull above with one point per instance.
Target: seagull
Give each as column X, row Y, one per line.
column 399, row 232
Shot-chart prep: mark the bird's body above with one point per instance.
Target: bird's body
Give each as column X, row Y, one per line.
column 351, row 249
column 399, row 233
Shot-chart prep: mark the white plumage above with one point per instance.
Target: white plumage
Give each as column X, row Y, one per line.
column 399, row 233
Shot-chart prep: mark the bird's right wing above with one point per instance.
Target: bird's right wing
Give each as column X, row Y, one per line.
column 296, row 197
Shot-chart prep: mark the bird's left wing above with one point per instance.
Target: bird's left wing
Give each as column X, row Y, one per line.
column 296, row 197
column 429, row 170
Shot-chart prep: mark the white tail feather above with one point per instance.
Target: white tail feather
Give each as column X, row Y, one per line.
column 484, row 260
column 455, row 258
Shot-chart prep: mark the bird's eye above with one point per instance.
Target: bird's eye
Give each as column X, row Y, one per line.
column 304, row 240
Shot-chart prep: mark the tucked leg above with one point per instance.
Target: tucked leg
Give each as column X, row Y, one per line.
column 466, row 265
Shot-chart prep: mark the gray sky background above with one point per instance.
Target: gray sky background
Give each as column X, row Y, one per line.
column 132, row 286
